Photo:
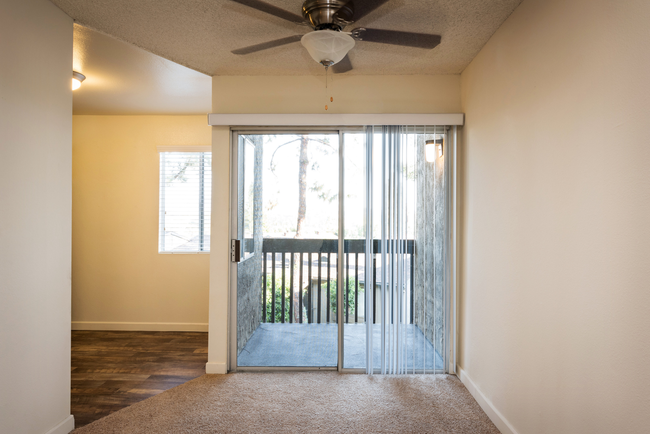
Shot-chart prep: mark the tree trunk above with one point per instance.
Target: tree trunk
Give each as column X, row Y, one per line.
column 302, row 211
column 302, row 183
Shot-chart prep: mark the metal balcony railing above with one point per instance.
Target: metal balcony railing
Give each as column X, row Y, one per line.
column 288, row 297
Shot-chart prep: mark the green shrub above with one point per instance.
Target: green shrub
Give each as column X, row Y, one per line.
column 287, row 299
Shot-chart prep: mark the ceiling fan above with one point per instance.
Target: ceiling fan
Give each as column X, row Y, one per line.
column 328, row 44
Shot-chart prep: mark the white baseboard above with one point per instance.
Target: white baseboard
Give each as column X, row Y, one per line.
column 64, row 427
column 495, row 416
column 141, row 326
column 216, row 368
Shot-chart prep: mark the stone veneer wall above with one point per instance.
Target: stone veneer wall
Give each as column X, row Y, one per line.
column 428, row 300
column 249, row 272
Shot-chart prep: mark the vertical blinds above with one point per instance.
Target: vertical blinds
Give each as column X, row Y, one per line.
column 406, row 333
column 185, row 202
column 393, row 315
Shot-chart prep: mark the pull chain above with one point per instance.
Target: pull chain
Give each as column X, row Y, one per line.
column 326, row 87
column 327, row 68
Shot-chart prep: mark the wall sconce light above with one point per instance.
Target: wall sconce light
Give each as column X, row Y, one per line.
column 430, row 149
column 77, row 78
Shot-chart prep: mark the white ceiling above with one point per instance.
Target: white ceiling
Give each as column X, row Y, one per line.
column 201, row 33
column 124, row 79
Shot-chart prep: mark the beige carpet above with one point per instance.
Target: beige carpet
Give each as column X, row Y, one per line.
column 311, row 402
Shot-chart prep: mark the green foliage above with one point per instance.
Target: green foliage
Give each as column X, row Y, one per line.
column 305, row 297
column 278, row 299
column 350, row 296
column 324, row 195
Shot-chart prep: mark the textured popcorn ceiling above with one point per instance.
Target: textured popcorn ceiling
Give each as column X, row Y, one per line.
column 201, row 33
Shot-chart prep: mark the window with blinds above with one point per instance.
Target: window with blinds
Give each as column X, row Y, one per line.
column 185, row 202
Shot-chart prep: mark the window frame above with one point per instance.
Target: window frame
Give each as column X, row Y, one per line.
column 184, row 149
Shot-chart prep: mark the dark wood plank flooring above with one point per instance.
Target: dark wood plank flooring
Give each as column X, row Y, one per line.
column 114, row 369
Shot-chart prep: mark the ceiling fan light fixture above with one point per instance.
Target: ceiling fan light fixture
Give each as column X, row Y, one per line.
column 327, row 47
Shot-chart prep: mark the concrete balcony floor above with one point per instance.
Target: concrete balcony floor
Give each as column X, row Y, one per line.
column 315, row 345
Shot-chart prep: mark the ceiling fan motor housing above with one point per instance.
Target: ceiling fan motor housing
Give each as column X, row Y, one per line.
column 328, row 14
column 328, row 44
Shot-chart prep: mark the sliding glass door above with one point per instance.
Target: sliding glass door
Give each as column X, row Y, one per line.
column 354, row 271
column 339, row 249
column 287, row 278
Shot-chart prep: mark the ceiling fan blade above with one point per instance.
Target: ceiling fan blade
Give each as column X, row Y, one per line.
column 343, row 66
column 364, row 7
column 267, row 45
column 408, row 39
column 273, row 10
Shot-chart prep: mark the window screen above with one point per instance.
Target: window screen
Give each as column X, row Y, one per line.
column 185, row 202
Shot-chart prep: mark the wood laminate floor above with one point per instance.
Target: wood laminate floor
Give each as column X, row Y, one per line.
column 114, row 369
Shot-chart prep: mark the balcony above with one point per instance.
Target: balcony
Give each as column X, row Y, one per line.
column 293, row 287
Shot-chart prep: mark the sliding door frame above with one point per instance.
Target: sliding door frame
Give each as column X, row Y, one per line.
column 451, row 249
column 450, row 244
column 234, row 233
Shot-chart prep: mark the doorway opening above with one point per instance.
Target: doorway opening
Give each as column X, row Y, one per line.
column 342, row 235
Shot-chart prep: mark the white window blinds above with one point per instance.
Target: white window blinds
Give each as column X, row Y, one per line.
column 185, row 201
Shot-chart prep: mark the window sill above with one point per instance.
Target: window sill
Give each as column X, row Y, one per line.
column 184, row 253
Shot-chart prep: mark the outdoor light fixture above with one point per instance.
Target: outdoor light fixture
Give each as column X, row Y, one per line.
column 77, row 78
column 327, row 47
column 430, row 149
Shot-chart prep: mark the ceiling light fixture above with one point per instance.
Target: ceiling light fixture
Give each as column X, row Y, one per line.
column 77, row 78
column 327, row 47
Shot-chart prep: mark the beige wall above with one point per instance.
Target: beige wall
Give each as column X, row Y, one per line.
column 297, row 94
column 352, row 94
column 35, row 190
column 119, row 280
column 555, row 298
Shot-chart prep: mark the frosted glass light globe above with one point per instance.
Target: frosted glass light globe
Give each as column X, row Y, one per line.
column 326, row 46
